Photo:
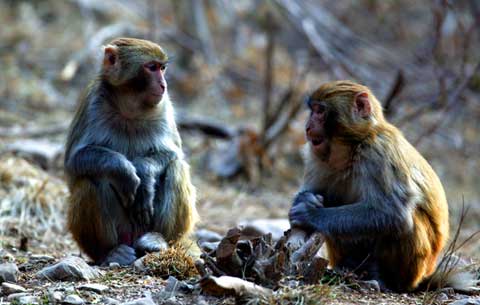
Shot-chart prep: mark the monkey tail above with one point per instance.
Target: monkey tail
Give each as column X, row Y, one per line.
column 452, row 272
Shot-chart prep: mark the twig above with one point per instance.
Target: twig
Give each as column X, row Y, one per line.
column 395, row 90
column 449, row 261
column 110, row 31
column 33, row 131
column 269, row 76
column 207, row 127
column 452, row 98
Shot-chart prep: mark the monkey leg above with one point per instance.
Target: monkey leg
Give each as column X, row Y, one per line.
column 405, row 263
column 175, row 213
column 99, row 224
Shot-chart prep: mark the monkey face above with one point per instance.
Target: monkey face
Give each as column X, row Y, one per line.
column 136, row 68
column 154, row 72
column 316, row 129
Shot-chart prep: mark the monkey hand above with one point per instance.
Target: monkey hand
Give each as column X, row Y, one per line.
column 315, row 200
column 303, row 214
column 142, row 209
column 125, row 183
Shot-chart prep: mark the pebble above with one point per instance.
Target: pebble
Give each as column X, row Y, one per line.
column 8, row 272
column 467, row 301
column 69, row 269
column 369, row 285
column 55, row 297
column 142, row 301
column 42, row 152
column 9, row 288
column 207, row 236
column 259, row 227
column 28, row 300
column 114, row 265
column 110, row 301
column 16, row 296
column 174, row 285
column 44, row 258
column 441, row 298
column 138, row 265
column 98, row 288
column 209, row 246
column 73, row 299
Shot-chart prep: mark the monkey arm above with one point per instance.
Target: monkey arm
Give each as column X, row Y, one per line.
column 96, row 161
column 370, row 217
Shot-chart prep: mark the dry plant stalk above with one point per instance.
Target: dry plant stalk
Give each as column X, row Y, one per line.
column 450, row 262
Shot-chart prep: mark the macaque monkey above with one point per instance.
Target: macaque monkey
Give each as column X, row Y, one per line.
column 377, row 201
column 130, row 188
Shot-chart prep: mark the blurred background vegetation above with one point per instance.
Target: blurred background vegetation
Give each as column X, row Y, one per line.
column 238, row 75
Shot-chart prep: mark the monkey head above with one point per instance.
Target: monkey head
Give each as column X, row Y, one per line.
column 136, row 67
column 341, row 112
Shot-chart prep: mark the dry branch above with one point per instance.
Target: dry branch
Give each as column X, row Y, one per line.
column 108, row 32
column 259, row 259
column 205, row 126
column 329, row 36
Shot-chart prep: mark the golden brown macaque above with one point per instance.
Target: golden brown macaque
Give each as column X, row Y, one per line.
column 379, row 204
column 129, row 183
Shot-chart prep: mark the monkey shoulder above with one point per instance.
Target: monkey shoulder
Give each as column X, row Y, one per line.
column 385, row 166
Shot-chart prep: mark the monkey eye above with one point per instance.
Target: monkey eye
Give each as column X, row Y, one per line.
column 318, row 108
column 155, row 66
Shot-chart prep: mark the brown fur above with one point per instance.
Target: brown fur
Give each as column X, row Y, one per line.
column 97, row 218
column 409, row 258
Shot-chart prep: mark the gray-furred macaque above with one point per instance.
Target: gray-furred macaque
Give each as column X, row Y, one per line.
column 379, row 204
column 130, row 188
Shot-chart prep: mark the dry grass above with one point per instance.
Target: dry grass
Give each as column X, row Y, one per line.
column 32, row 202
column 173, row 261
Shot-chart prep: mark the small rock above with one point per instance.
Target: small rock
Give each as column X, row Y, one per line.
column 467, row 301
column 209, row 246
column 441, row 298
column 110, row 301
column 201, row 301
column 6, row 256
column 369, row 285
column 16, row 296
column 8, row 272
column 98, row 288
column 204, row 235
column 28, row 300
column 69, row 269
column 42, row 152
column 174, row 285
column 171, row 301
column 114, row 265
column 139, row 265
column 73, row 299
column 55, row 297
column 41, row 258
column 69, row 289
column 9, row 288
column 259, row 227
column 142, row 301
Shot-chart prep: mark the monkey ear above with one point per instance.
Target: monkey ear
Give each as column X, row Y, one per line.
column 362, row 105
column 110, row 57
